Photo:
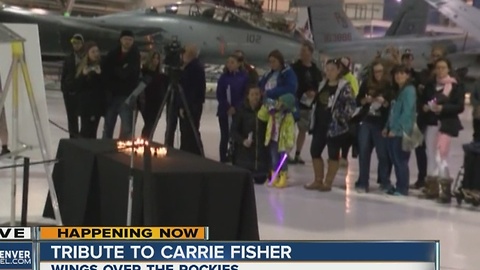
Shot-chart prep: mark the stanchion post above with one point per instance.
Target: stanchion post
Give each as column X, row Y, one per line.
column 26, row 180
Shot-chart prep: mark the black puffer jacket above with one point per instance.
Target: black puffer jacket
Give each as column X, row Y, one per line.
column 92, row 94
column 69, row 70
column 255, row 158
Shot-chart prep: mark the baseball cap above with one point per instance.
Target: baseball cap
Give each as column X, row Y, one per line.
column 78, row 37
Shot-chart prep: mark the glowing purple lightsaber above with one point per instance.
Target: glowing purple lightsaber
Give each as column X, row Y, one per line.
column 282, row 161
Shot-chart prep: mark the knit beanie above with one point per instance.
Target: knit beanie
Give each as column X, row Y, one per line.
column 288, row 101
column 126, row 33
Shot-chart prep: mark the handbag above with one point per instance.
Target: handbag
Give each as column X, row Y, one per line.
column 412, row 140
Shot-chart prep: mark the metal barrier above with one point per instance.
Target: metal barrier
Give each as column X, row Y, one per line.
column 26, row 182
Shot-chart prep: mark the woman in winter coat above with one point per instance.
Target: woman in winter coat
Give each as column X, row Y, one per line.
column 248, row 134
column 92, row 95
column 443, row 100
column 334, row 106
column 352, row 139
column 154, row 93
column 280, row 80
column 231, row 88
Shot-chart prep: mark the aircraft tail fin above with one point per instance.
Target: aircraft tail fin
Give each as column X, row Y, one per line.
column 328, row 22
column 410, row 20
column 302, row 25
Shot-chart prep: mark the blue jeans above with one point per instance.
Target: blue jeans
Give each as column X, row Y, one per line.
column 118, row 107
column 276, row 157
column 400, row 160
column 370, row 137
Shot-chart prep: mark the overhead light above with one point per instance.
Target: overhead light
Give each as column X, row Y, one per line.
column 39, row 11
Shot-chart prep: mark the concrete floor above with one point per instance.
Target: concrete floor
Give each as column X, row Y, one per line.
column 295, row 213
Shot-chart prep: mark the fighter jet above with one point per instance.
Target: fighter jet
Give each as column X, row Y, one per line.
column 335, row 36
column 217, row 31
column 462, row 14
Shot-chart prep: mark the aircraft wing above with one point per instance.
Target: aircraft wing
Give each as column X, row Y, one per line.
column 462, row 14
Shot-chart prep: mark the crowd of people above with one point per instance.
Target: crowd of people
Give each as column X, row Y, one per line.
column 264, row 120
column 93, row 88
column 393, row 109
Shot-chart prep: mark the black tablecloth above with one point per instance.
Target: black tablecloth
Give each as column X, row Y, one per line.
column 91, row 180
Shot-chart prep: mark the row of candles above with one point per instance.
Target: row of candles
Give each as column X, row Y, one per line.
column 139, row 147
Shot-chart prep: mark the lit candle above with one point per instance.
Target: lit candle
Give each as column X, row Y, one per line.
column 162, row 151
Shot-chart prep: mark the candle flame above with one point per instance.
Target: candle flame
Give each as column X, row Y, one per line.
column 139, row 146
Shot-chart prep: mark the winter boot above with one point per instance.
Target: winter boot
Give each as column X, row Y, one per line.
column 332, row 170
column 445, row 191
column 475, row 198
column 271, row 182
column 5, row 151
column 282, row 180
column 468, row 195
column 431, row 190
column 318, row 171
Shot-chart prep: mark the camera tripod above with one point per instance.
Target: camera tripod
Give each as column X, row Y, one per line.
column 173, row 88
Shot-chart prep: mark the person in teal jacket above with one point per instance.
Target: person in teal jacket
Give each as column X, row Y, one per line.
column 400, row 121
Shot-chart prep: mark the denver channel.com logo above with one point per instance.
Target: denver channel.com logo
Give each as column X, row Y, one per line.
column 14, row 251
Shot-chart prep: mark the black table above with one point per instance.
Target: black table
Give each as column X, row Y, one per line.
column 91, row 180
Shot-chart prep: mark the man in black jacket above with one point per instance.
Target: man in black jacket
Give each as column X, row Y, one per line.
column 122, row 74
column 194, row 87
column 309, row 77
column 407, row 60
column 68, row 85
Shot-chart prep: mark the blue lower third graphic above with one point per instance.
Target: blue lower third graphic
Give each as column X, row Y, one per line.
column 15, row 255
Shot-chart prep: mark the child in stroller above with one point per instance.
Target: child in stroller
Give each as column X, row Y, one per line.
column 469, row 188
column 248, row 135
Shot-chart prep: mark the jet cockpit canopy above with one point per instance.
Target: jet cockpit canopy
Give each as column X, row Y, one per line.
column 221, row 14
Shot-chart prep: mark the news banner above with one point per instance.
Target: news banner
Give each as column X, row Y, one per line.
column 188, row 248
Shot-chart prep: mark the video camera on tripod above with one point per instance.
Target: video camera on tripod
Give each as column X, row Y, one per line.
column 173, row 63
column 173, row 58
